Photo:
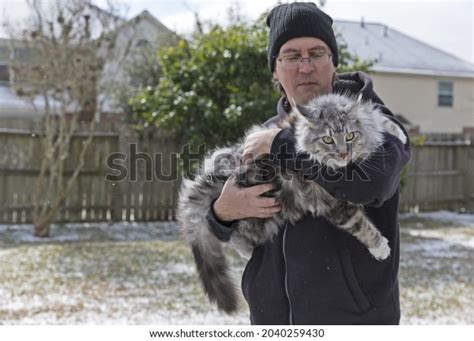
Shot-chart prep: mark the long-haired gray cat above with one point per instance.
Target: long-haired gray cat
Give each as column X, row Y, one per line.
column 334, row 130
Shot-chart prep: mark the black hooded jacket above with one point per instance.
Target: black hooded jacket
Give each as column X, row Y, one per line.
column 313, row 272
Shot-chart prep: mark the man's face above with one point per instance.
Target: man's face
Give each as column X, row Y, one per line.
column 306, row 80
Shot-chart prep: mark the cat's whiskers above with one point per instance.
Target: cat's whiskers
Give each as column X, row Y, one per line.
column 382, row 149
column 368, row 165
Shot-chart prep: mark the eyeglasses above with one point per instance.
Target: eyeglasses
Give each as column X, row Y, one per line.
column 293, row 61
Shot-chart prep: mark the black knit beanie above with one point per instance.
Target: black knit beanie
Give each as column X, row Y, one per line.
column 298, row 19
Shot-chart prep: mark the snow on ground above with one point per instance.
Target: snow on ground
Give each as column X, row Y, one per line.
column 436, row 268
column 107, row 231
column 142, row 273
column 450, row 227
column 443, row 216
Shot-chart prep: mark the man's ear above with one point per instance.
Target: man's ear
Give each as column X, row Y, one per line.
column 275, row 77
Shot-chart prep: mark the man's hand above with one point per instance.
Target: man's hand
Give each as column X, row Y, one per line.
column 236, row 203
column 258, row 143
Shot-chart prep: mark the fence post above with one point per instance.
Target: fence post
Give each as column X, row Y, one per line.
column 467, row 169
column 116, row 201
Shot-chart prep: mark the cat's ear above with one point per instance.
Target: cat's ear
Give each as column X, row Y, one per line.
column 356, row 103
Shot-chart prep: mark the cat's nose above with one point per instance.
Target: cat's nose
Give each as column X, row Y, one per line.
column 343, row 155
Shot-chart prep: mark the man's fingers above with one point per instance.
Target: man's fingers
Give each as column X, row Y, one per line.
column 268, row 212
column 260, row 189
column 247, row 156
column 231, row 180
column 274, row 209
column 266, row 202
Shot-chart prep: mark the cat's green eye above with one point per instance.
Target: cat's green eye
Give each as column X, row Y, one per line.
column 349, row 137
column 328, row 139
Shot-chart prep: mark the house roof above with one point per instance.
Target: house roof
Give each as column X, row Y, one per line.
column 12, row 105
column 145, row 15
column 397, row 52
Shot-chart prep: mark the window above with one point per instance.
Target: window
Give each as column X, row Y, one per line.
column 3, row 55
column 4, row 74
column 445, row 93
column 143, row 43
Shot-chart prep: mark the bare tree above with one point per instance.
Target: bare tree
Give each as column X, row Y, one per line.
column 67, row 46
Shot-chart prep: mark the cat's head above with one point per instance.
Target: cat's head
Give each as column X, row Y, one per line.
column 337, row 129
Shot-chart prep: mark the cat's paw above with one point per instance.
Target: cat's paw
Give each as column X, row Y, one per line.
column 401, row 136
column 398, row 132
column 393, row 129
column 382, row 251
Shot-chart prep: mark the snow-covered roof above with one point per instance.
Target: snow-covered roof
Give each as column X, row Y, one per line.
column 145, row 15
column 397, row 52
column 12, row 105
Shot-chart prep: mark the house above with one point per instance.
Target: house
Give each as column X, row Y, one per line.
column 430, row 88
column 141, row 31
column 10, row 104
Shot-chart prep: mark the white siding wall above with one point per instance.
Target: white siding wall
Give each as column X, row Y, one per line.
column 416, row 98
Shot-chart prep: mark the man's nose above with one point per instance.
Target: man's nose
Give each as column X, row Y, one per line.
column 306, row 65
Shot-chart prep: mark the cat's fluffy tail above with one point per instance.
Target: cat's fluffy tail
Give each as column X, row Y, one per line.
column 194, row 203
column 215, row 277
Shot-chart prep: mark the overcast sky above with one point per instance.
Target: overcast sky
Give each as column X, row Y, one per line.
column 447, row 25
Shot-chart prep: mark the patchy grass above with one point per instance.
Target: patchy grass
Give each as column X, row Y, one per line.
column 143, row 274
column 436, row 270
column 131, row 282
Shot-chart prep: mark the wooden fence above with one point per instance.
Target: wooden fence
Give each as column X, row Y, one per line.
column 94, row 196
column 439, row 177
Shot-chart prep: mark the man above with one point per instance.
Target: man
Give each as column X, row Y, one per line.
column 313, row 272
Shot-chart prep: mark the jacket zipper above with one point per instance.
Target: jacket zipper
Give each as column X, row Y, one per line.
column 286, row 276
